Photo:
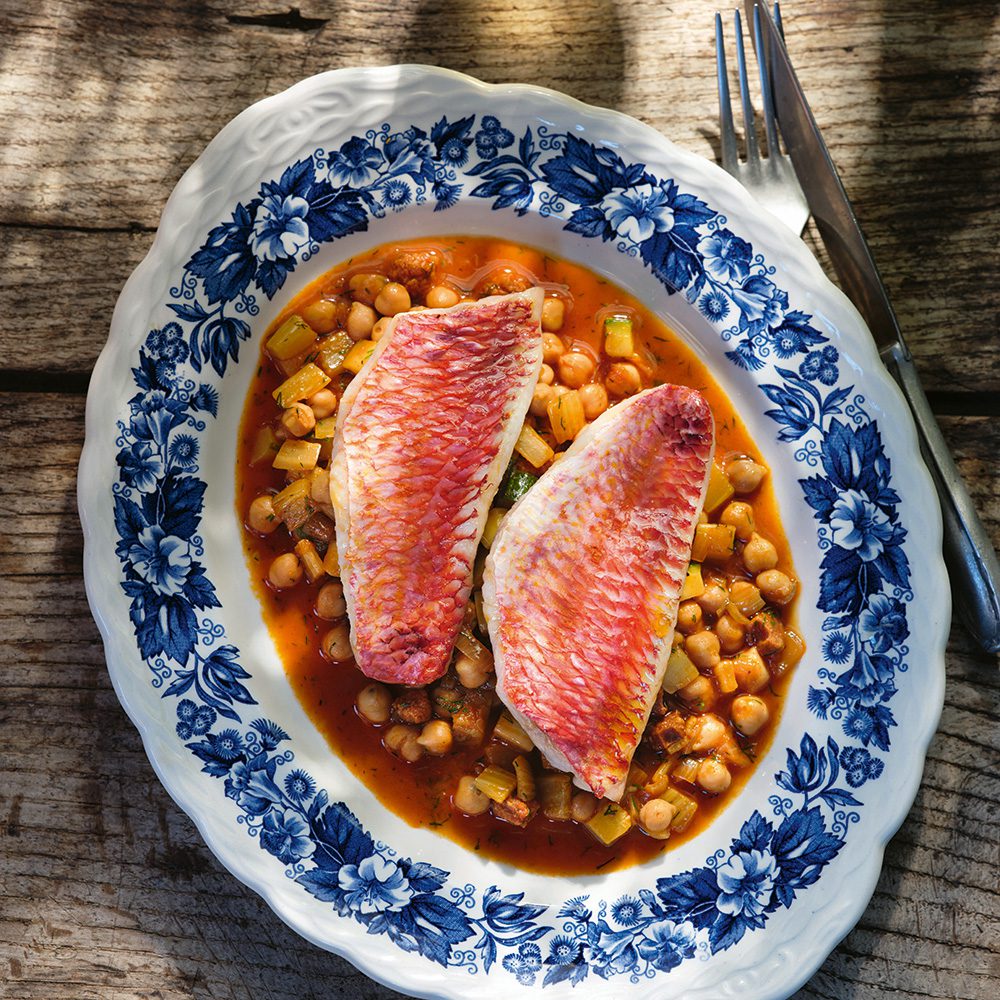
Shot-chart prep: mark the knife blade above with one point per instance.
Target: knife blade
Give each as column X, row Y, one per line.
column 969, row 554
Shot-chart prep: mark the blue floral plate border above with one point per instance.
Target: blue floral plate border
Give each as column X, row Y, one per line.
column 353, row 158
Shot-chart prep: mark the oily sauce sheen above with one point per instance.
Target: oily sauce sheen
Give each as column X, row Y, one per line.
column 421, row 792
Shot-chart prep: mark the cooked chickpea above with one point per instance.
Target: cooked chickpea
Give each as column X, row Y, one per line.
column 330, row 603
column 471, row 673
column 553, row 314
column 261, row 517
column 657, row 815
column 285, row 571
column 575, row 368
column 336, row 644
column 688, row 617
column 441, row 297
column 374, row 702
column 298, row 419
column 552, row 348
column 707, row 733
column 622, row 379
column 394, row 298
column 546, row 376
column 365, row 287
column 749, row 714
column 731, row 634
column 540, row 399
column 560, row 390
column 436, row 737
column 745, row 474
column 703, row 648
column 360, row 321
column 775, row 586
column 378, row 330
column 714, row 600
column 740, row 516
column 469, row 799
column 321, row 315
column 323, row 403
column 403, row 741
column 714, row 776
column 583, row 806
column 759, row 554
column 699, row 694
column 594, row 398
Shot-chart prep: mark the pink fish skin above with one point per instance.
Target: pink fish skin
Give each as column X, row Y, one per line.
column 583, row 582
column 424, row 434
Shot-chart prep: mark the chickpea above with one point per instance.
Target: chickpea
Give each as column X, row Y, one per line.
column 546, row 376
column 583, row 806
column 373, row 703
column 714, row 776
column 707, row 733
column 330, row 603
column 560, row 390
column 622, row 379
column 441, row 297
column 378, row 330
column 365, row 287
column 594, row 398
column 471, row 673
column 731, row 634
column 436, row 737
column 740, row 516
column 575, row 368
column 285, row 571
column 323, row 403
column 360, row 321
column 745, row 474
column 688, row 617
column 714, row 600
column 540, row 399
column 552, row 348
column 468, row 798
column 699, row 694
column 759, row 554
column 703, row 648
column 336, row 644
column 394, row 298
column 321, row 315
column 776, row 587
column 657, row 815
column 402, row 741
column 298, row 419
column 749, row 714
column 261, row 517
column 553, row 314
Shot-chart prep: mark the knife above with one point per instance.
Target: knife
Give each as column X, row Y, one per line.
column 968, row 551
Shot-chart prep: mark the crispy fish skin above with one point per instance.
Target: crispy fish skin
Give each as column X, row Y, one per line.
column 424, row 434
column 583, row 582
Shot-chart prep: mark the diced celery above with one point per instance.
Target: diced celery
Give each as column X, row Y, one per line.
column 555, row 793
column 265, row 445
column 331, row 352
column 694, row 584
column 744, row 596
column 307, row 381
column 468, row 644
column 516, row 483
column 511, row 732
column 792, row 652
column 686, row 769
column 566, row 416
column 325, row 428
column 493, row 519
column 294, row 336
column 725, row 676
column 293, row 505
column 533, row 448
column 496, row 782
column 686, row 808
column 713, row 541
column 297, row 456
column 358, row 355
column 680, row 671
column 618, row 339
column 720, row 489
column 637, row 776
column 660, row 778
column 525, row 779
column 610, row 823
column 311, row 561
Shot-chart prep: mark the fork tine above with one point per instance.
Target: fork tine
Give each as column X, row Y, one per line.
column 749, row 127
column 767, row 98
column 777, row 20
column 727, row 129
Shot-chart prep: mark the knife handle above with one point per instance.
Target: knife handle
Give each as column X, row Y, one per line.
column 968, row 551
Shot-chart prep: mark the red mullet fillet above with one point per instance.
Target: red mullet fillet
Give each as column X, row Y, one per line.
column 584, row 577
column 424, row 435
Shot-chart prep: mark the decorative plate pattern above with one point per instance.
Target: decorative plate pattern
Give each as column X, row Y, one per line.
column 722, row 912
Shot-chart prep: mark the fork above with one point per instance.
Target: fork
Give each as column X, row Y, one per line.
column 770, row 179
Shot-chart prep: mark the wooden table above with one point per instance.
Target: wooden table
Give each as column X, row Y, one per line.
column 106, row 890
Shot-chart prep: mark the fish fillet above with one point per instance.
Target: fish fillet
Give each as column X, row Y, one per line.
column 424, row 434
column 583, row 581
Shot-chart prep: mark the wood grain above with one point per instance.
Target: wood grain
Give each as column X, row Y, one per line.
column 106, row 890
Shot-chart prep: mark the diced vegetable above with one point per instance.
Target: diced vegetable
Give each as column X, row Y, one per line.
column 660, row 779
column 297, row 456
column 618, row 339
column 496, row 783
column 566, row 416
column 525, row 779
column 610, row 823
column 533, row 448
column 306, row 551
column 680, row 671
column 686, row 808
column 686, row 770
column 515, row 485
column 694, row 583
column 293, row 505
column 265, row 445
column 746, row 597
column 786, row 658
column 725, row 676
column 555, row 793
column 713, row 541
column 720, row 489
column 493, row 519
column 481, row 623
column 294, row 336
column 325, row 428
column 467, row 643
column 637, row 776
column 358, row 355
column 331, row 352
column 331, row 561
column 307, row 381
column 511, row 732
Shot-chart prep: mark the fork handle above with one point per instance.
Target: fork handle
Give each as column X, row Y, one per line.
column 968, row 551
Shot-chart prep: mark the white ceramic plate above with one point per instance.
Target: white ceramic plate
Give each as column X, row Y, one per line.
column 355, row 158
